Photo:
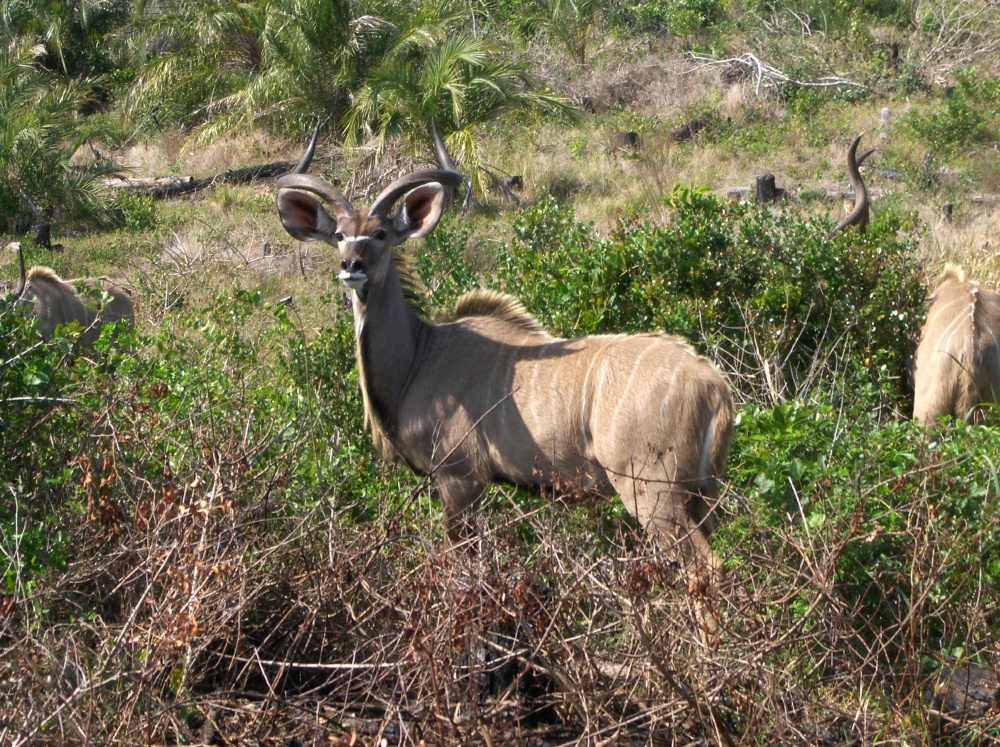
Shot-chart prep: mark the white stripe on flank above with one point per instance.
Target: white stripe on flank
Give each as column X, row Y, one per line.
column 953, row 328
column 706, row 448
column 670, row 387
column 625, row 397
column 583, row 401
column 532, row 390
column 599, row 394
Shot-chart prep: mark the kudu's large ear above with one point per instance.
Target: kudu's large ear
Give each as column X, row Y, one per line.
column 420, row 211
column 304, row 217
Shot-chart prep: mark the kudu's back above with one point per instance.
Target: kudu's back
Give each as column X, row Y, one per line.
column 957, row 364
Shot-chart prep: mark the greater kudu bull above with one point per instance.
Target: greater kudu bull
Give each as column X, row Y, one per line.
column 957, row 364
column 491, row 397
column 55, row 301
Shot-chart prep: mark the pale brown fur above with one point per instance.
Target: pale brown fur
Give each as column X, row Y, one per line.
column 490, row 303
column 957, row 364
column 491, row 397
column 55, row 302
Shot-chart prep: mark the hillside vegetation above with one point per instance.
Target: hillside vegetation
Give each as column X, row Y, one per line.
column 201, row 545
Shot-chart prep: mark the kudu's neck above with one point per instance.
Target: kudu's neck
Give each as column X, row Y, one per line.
column 389, row 335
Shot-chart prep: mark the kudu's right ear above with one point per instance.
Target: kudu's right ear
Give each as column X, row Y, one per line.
column 420, row 211
column 304, row 217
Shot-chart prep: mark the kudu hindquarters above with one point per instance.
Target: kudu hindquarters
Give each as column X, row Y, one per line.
column 957, row 365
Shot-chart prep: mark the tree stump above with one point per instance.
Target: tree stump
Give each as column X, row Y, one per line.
column 766, row 189
column 628, row 140
column 962, row 692
column 688, row 130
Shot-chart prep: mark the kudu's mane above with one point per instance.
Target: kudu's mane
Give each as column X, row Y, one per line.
column 950, row 273
column 497, row 305
column 41, row 272
column 478, row 302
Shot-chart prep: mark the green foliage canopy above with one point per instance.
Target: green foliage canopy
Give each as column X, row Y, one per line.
column 779, row 303
column 40, row 130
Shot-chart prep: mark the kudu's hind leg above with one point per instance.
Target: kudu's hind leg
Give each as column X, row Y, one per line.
column 680, row 522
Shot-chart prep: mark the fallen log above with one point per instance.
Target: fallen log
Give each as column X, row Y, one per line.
column 160, row 188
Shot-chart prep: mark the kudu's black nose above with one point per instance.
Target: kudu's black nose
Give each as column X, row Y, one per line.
column 353, row 266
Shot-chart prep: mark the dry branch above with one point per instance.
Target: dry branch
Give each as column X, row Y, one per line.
column 767, row 75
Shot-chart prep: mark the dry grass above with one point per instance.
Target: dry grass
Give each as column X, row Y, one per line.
column 215, row 622
column 971, row 239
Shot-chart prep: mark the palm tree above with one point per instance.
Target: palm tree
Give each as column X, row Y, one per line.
column 461, row 82
column 379, row 68
column 202, row 51
column 63, row 28
column 570, row 23
column 40, row 130
column 275, row 63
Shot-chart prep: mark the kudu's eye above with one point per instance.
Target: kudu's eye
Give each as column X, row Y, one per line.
column 338, row 236
column 380, row 234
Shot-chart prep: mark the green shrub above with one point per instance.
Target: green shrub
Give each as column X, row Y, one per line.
column 39, row 383
column 136, row 213
column 905, row 524
column 678, row 17
column 441, row 264
column 838, row 14
column 967, row 118
column 779, row 303
column 227, row 404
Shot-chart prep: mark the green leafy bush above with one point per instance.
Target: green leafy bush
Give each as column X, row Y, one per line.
column 778, row 302
column 967, row 118
column 441, row 264
column 679, row 17
column 135, row 212
column 904, row 523
column 39, row 383
column 838, row 14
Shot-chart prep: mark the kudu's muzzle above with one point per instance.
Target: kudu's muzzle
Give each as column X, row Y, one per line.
column 353, row 273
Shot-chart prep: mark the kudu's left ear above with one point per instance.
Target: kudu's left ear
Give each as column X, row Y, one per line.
column 420, row 211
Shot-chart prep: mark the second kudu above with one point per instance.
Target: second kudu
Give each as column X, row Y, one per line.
column 491, row 397
column 57, row 302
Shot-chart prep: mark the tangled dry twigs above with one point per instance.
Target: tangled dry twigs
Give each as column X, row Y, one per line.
column 226, row 625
